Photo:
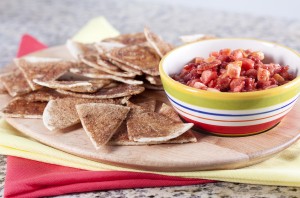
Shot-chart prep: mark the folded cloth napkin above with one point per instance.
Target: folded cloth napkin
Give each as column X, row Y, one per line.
column 28, row 178
column 283, row 169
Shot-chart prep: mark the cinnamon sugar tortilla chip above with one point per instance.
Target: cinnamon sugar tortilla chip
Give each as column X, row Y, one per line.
column 121, row 136
column 170, row 113
column 77, row 49
column 21, row 108
column 42, row 95
column 75, row 86
column 15, row 83
column 43, row 69
column 128, row 39
column 146, row 105
column 103, row 62
column 154, row 80
column 159, row 45
column 121, row 90
column 3, row 90
column 101, row 121
column 153, row 127
column 61, row 113
column 142, row 58
column 126, row 67
column 97, row 74
column 103, row 47
column 153, row 87
column 92, row 62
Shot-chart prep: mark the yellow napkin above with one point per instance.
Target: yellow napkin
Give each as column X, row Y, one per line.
column 95, row 30
column 283, row 169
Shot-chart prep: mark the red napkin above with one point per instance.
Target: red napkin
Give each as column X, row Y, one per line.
column 28, row 45
column 28, row 178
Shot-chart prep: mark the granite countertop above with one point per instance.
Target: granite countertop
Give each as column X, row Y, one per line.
column 53, row 22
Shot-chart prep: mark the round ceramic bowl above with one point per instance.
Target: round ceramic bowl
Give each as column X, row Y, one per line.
column 225, row 113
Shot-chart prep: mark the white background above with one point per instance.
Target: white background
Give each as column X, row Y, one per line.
column 289, row 9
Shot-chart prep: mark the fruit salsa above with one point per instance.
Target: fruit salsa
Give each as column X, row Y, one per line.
column 233, row 71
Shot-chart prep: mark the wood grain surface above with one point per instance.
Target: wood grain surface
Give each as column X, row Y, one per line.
column 208, row 153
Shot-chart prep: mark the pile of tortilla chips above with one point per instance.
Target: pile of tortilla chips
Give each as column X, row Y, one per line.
column 99, row 89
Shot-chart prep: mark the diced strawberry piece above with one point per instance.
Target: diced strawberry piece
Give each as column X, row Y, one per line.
column 214, row 54
column 270, row 67
column 263, row 74
column 237, row 54
column 236, row 85
column 247, row 52
column 206, row 66
column 247, row 64
column 212, row 89
column 278, row 78
column 223, row 83
column 210, row 59
column 223, row 58
column 263, row 84
column 199, row 60
column 207, row 76
column 191, row 75
column 222, row 71
column 249, row 84
column 192, row 82
column 234, row 69
column 212, row 83
column 257, row 56
column 189, row 66
column 225, row 52
column 199, row 85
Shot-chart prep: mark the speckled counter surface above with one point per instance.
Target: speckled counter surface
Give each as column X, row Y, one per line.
column 54, row 21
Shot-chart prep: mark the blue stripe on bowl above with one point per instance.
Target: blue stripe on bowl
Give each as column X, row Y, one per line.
column 233, row 115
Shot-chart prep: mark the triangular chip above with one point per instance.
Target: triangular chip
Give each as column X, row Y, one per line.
column 153, row 87
column 22, row 108
column 102, row 62
column 142, row 58
column 121, row 90
column 3, row 90
column 43, row 69
column 103, row 47
column 15, row 83
column 170, row 113
column 93, row 62
column 75, row 86
column 126, row 67
column 101, row 121
column 154, row 80
column 77, row 49
column 159, row 45
column 97, row 74
column 153, row 127
column 128, row 39
column 121, row 136
column 42, row 95
column 146, row 105
column 61, row 113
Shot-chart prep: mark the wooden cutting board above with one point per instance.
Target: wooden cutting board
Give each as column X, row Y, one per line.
column 209, row 153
